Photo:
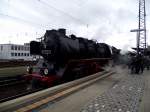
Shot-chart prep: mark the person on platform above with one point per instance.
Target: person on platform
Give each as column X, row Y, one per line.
column 132, row 64
column 139, row 64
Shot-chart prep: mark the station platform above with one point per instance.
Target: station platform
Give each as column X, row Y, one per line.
column 120, row 92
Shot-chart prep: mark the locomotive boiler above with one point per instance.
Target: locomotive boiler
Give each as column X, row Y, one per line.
column 65, row 58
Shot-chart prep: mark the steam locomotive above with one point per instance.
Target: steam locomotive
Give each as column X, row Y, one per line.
column 66, row 58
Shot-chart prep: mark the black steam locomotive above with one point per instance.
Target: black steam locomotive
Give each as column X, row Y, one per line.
column 66, row 58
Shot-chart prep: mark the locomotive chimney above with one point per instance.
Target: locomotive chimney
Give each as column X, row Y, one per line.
column 62, row 31
column 72, row 36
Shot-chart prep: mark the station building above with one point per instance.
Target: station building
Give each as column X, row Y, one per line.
column 15, row 52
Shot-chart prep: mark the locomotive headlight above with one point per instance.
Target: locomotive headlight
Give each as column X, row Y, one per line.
column 45, row 71
column 28, row 68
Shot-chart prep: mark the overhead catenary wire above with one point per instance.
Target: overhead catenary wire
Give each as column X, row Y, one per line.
column 40, row 26
column 82, row 2
column 61, row 11
column 37, row 26
column 23, row 20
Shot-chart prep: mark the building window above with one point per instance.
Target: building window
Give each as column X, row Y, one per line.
column 12, row 47
column 22, row 48
column 1, row 48
column 27, row 54
column 18, row 54
column 24, row 54
column 28, row 49
column 15, row 47
column 12, row 54
column 15, row 54
column 25, row 48
column 21, row 54
column 18, row 47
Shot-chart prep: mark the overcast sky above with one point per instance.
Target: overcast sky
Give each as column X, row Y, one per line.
column 108, row 21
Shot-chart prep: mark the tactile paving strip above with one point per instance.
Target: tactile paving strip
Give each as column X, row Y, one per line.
column 125, row 96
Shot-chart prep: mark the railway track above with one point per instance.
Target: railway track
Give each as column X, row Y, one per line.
column 6, row 81
column 23, row 93
column 14, row 87
column 10, row 82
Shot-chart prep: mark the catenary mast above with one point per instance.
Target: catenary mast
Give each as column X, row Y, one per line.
column 141, row 31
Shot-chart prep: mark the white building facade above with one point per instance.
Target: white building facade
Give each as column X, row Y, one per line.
column 15, row 52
